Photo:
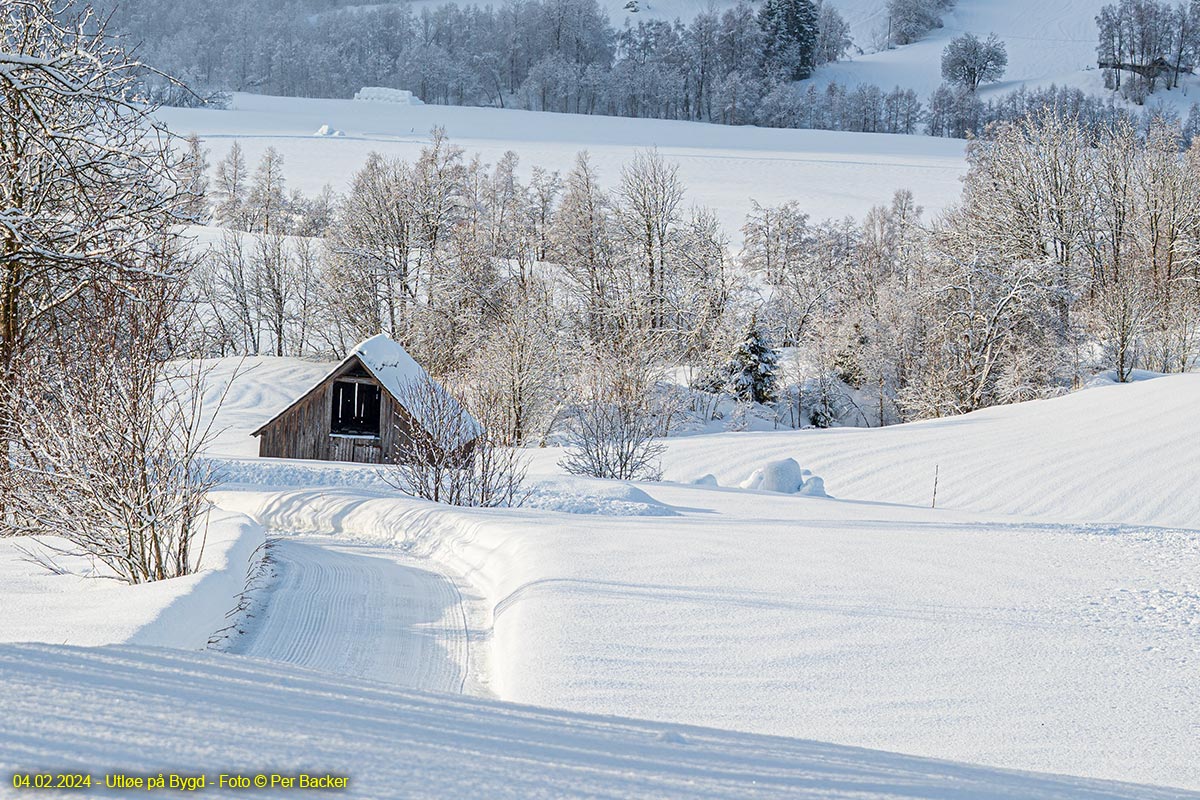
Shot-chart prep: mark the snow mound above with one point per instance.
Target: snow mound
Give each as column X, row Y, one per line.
column 813, row 487
column 383, row 94
column 786, row 477
column 328, row 130
column 706, row 480
column 595, row 497
column 1109, row 378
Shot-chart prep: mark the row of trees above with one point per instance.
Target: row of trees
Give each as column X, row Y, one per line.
column 1074, row 249
column 560, row 55
column 1147, row 43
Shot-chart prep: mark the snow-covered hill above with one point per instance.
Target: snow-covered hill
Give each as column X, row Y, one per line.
column 1043, row 617
column 1045, row 41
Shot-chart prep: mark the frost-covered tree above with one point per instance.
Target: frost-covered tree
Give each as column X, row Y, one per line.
column 752, row 366
column 909, row 20
column 230, row 189
column 89, row 188
column 1143, row 43
column 195, row 176
column 650, row 194
column 267, row 201
column 833, row 36
column 370, row 247
column 969, row 61
column 790, row 31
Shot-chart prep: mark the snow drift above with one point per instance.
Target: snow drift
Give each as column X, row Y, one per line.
column 382, row 94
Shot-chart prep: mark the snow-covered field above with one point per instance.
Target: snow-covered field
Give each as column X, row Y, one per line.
column 1044, row 617
column 1045, row 41
column 829, row 174
column 150, row 711
column 1051, row 596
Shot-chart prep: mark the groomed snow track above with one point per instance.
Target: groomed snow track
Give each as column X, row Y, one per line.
column 361, row 611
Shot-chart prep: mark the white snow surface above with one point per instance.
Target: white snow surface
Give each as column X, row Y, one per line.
column 37, row 606
column 1042, row 601
column 382, row 94
column 1045, row 41
column 359, row 610
column 147, row 711
column 784, row 476
column 1043, row 617
column 829, row 174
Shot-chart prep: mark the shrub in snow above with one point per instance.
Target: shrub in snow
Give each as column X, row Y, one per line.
column 110, row 446
column 449, row 458
column 613, row 428
column 706, row 480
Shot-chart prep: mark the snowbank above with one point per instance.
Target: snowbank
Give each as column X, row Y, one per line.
column 195, row 614
column 608, row 498
column 328, row 130
column 182, row 612
column 892, row 627
column 383, row 94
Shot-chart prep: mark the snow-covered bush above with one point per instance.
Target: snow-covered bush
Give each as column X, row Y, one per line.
column 613, row 426
column 444, row 454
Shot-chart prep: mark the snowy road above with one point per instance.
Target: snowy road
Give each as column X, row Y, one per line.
column 360, row 611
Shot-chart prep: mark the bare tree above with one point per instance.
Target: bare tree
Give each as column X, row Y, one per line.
column 447, row 456
column 88, row 182
column 612, row 428
column 107, row 451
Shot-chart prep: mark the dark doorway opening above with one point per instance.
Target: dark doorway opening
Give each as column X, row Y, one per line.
column 355, row 409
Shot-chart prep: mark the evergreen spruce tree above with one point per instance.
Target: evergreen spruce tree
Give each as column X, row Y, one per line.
column 752, row 366
column 790, row 31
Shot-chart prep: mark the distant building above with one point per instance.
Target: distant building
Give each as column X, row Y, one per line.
column 359, row 412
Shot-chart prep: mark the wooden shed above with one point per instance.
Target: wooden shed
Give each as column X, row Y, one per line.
column 354, row 413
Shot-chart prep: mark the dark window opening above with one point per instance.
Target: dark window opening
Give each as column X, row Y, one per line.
column 355, row 409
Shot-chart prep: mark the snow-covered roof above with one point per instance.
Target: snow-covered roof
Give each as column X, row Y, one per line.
column 390, row 364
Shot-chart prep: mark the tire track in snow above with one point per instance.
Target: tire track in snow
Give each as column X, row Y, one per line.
column 359, row 610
